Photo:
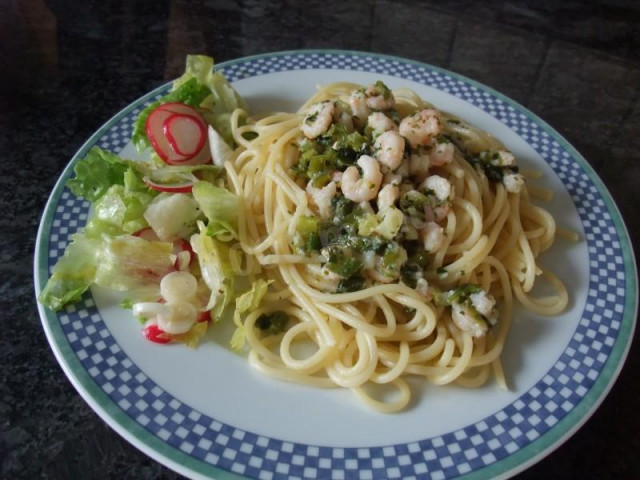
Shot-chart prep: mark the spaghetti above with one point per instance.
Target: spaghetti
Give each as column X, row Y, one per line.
column 388, row 259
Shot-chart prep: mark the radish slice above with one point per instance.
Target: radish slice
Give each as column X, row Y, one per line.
column 155, row 334
column 147, row 234
column 220, row 151
column 203, row 156
column 182, row 187
column 186, row 134
column 177, row 132
column 158, row 139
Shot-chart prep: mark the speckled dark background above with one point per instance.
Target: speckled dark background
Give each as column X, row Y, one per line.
column 68, row 66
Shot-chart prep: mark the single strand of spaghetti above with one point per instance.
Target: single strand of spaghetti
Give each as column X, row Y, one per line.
column 460, row 365
column 312, row 362
column 550, row 305
column 402, row 400
column 498, row 373
column 449, row 230
column 278, row 372
column 356, row 375
column 530, row 264
column 569, row 235
column 498, row 203
column 296, row 283
column 476, row 227
column 447, row 353
column 475, row 377
column 360, row 323
column 504, row 233
column 543, row 218
column 540, row 193
column 472, row 257
column 422, row 353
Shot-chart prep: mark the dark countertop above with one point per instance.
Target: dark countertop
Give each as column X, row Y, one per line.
column 67, row 67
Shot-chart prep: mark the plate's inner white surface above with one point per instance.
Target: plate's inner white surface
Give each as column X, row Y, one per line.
column 219, row 383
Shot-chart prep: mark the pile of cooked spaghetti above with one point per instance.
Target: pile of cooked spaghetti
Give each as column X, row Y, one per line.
column 393, row 238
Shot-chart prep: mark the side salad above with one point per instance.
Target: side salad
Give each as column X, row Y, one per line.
column 160, row 229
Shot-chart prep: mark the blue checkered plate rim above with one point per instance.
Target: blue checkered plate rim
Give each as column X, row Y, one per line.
column 494, row 446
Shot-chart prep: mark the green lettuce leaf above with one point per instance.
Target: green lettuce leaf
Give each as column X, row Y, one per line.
column 217, row 272
column 73, row 274
column 132, row 263
column 220, row 206
column 247, row 302
column 96, row 173
column 120, row 210
column 217, row 107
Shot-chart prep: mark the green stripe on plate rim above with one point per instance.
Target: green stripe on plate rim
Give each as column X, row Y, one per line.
column 183, row 463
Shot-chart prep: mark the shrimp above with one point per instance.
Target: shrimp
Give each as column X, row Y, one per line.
column 476, row 316
column 359, row 189
column 387, row 196
column 432, row 236
column 321, row 198
column 379, row 97
column 419, row 162
column 389, row 149
column 441, row 190
column 421, row 127
column 358, row 103
column 342, row 115
column 513, row 182
column 422, row 287
column 442, row 153
column 392, row 177
column 380, row 123
column 440, row 186
column 318, row 119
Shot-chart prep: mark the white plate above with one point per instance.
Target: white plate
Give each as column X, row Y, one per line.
column 205, row 413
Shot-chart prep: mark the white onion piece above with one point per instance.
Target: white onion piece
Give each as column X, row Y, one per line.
column 147, row 309
column 183, row 315
column 178, row 287
column 220, row 151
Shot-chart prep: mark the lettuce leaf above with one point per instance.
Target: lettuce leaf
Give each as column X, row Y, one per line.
column 131, row 263
column 223, row 99
column 193, row 337
column 73, row 274
column 216, row 269
column 96, row 173
column 220, row 206
column 119, row 211
column 247, row 302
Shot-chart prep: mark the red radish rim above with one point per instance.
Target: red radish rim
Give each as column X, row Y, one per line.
column 154, row 333
column 147, row 233
column 166, row 129
column 176, row 107
column 185, row 187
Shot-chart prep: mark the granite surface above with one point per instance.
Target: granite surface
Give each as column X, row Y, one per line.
column 66, row 67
